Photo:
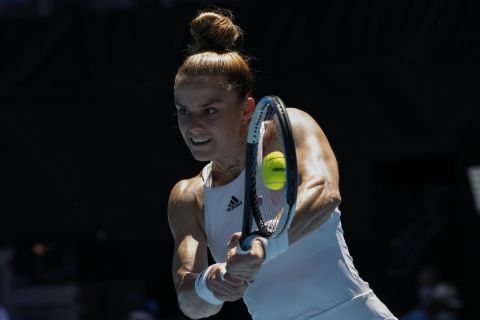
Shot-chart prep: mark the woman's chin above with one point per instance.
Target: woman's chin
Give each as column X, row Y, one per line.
column 200, row 156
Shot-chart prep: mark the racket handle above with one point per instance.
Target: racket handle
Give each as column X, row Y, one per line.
column 241, row 251
column 246, row 244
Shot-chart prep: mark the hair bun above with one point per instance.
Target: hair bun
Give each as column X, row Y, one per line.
column 214, row 31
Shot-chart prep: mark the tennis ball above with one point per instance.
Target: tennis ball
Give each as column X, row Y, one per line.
column 274, row 170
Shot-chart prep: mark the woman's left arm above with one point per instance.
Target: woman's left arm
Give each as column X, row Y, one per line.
column 317, row 195
column 318, row 192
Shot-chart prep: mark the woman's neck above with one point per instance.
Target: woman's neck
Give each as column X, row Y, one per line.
column 225, row 173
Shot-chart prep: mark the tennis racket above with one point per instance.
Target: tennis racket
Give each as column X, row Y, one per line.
column 268, row 213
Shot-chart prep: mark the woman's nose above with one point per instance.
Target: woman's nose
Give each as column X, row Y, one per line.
column 196, row 123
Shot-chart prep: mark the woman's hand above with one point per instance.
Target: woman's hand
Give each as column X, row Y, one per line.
column 243, row 267
column 226, row 289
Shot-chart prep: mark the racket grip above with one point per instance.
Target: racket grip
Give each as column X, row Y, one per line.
column 241, row 251
column 247, row 245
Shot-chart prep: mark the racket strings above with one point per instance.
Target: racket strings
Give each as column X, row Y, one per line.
column 268, row 203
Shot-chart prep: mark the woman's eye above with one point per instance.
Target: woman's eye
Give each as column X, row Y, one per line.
column 211, row 110
column 183, row 112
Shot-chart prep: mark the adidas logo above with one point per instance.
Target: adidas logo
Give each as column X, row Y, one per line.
column 234, row 202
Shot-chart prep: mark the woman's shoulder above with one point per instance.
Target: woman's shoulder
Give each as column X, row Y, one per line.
column 297, row 113
column 185, row 206
column 186, row 191
column 299, row 118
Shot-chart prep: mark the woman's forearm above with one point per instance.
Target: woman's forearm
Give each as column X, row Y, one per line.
column 315, row 203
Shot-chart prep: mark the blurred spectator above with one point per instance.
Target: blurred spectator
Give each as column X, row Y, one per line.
column 445, row 303
column 437, row 299
column 427, row 278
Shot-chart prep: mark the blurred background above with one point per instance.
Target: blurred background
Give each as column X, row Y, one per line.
column 89, row 149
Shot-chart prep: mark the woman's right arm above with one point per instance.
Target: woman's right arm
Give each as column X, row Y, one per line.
column 190, row 256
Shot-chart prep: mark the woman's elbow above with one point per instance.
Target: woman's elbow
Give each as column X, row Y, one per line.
column 196, row 310
column 186, row 307
column 335, row 198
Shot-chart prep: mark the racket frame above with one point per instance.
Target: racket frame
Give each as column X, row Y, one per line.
column 253, row 138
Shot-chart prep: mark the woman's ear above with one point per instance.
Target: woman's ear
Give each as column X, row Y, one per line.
column 248, row 108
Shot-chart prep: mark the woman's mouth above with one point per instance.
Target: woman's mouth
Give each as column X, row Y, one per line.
column 199, row 141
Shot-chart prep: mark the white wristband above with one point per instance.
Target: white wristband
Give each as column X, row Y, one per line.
column 274, row 247
column 202, row 290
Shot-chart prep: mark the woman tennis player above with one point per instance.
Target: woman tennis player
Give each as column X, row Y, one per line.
column 307, row 273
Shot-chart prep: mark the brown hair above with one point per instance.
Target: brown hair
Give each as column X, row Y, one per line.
column 215, row 52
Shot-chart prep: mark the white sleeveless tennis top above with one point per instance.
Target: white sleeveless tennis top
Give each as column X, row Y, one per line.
column 314, row 279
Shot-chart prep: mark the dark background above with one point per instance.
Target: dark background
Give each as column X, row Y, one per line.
column 89, row 149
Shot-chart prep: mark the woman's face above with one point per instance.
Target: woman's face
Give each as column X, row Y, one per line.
column 213, row 121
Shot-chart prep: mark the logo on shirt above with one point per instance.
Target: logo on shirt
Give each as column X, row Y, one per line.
column 234, row 202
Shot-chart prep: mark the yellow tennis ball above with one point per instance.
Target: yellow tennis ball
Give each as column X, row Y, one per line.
column 274, row 170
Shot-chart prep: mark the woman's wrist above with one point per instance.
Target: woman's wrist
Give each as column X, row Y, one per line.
column 202, row 289
column 274, row 247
